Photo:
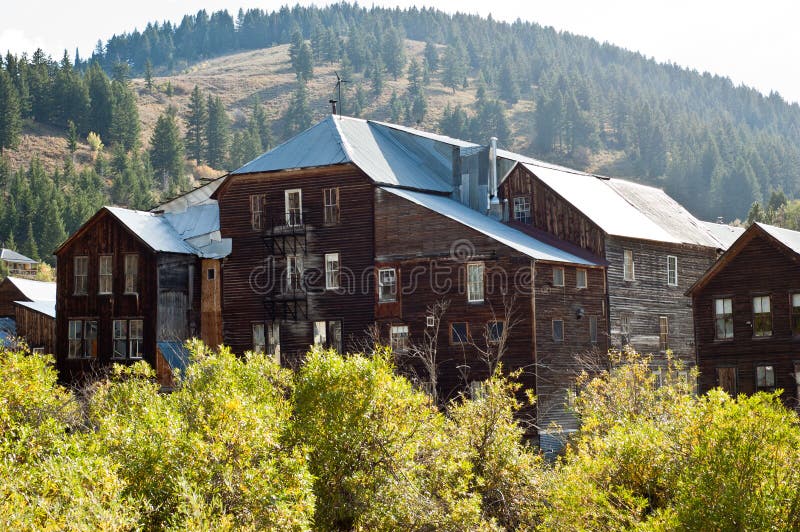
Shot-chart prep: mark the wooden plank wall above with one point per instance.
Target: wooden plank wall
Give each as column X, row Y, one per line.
column 759, row 269
column 8, row 294
column 211, row 302
column 249, row 273
column 37, row 329
column 104, row 235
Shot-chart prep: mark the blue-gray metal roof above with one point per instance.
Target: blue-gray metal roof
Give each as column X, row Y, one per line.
column 48, row 308
column 176, row 355
column 8, row 332
column 153, row 229
column 33, row 290
column 12, row 256
column 490, row 227
column 371, row 146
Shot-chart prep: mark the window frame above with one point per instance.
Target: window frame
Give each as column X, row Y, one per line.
column 331, row 209
column 293, row 219
column 135, row 343
column 80, row 288
column 395, row 332
column 258, row 347
column 257, row 211
column 794, row 318
column 663, row 333
column 451, row 336
column 523, row 214
column 493, row 336
column 105, row 262
column 559, row 281
column 392, row 298
column 766, row 387
column 119, row 339
column 672, row 270
column 294, row 275
column 75, row 339
column 333, row 276
column 762, row 317
column 725, row 317
column 593, row 331
column 556, row 338
column 471, row 288
column 628, row 265
column 320, row 333
column 581, row 272
column 131, row 276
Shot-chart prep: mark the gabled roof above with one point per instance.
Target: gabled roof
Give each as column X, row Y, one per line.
column 198, row 196
column 48, row 308
column 33, row 290
column 153, row 229
column 785, row 240
column 490, row 227
column 724, row 233
column 384, row 156
column 12, row 256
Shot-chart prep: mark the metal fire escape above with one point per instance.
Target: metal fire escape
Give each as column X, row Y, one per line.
column 285, row 238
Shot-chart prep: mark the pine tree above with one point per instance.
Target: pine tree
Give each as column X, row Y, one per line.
column 393, row 51
column 72, row 137
column 301, row 57
column 218, row 134
column 431, row 55
column 10, row 119
column 148, row 75
column 124, row 116
column 29, row 247
column 454, row 68
column 166, row 149
column 298, row 115
column 101, row 101
column 259, row 124
column 509, row 89
column 196, row 120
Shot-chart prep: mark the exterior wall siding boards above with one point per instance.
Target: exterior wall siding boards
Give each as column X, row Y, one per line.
column 649, row 296
column 104, row 236
column 8, row 294
column 759, row 269
column 37, row 329
column 251, row 272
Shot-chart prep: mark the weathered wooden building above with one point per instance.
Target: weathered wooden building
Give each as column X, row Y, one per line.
column 17, row 264
column 18, row 289
column 129, row 286
column 654, row 248
column 747, row 315
column 357, row 228
column 36, row 324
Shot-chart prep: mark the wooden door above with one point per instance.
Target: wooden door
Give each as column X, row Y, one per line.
column 726, row 379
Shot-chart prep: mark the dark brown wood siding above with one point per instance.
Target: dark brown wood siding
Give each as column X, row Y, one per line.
column 37, row 329
column 759, row 269
column 8, row 294
column 252, row 273
column 104, row 235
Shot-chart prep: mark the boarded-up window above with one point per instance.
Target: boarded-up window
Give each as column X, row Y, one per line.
column 762, row 316
column 294, row 207
column 726, row 379
column 663, row 333
column 593, row 329
column 672, row 270
column 625, row 328
column 387, row 285
column 257, row 211
column 723, row 318
column 330, row 197
column 173, row 318
column 332, row 271
column 81, row 267
column 398, row 338
column 558, row 276
column 475, row 282
column 105, row 277
column 131, row 273
column 765, row 378
column 558, row 330
column 628, row 273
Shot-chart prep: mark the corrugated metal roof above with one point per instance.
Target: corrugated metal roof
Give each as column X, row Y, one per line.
column 153, row 229
column 176, row 355
column 789, row 238
column 12, row 256
column 195, row 221
column 602, row 204
column 8, row 333
column 48, row 308
column 725, row 234
column 199, row 196
column 34, row 290
column 489, row 227
column 665, row 212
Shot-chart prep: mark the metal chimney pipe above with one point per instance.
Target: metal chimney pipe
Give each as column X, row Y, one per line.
column 493, row 169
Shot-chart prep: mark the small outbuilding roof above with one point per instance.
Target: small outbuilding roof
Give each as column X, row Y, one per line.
column 490, row 227
column 33, row 290
column 12, row 256
column 48, row 308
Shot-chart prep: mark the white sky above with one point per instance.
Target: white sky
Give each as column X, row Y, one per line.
column 755, row 43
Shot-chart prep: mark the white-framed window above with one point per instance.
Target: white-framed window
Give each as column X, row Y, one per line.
column 762, row 316
column 628, row 273
column 663, row 333
column 459, row 332
column 495, row 330
column 387, row 285
column 135, row 338
column 765, row 378
column 475, row 282
column 522, row 209
column 257, row 211
column 274, row 341
column 332, row 281
column 294, row 273
column 320, row 333
column 105, row 274
column 723, row 318
column 120, row 338
column 293, row 200
column 75, row 335
column 330, row 199
column 672, row 270
column 131, row 273
column 558, row 330
column 259, row 338
column 558, row 276
column 81, row 267
column 581, row 278
column 796, row 314
column 398, row 338
column 430, row 321
column 328, row 334
column 593, row 329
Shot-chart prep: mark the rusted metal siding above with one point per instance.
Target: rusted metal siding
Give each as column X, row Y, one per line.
column 759, row 269
column 251, row 272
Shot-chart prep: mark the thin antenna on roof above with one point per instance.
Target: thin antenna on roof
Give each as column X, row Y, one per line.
column 338, row 89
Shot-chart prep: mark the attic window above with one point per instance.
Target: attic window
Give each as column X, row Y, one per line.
column 522, row 209
column 211, row 274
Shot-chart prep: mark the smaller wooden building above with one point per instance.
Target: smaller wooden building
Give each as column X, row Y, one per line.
column 747, row 315
column 17, row 264
column 17, row 289
column 36, row 324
